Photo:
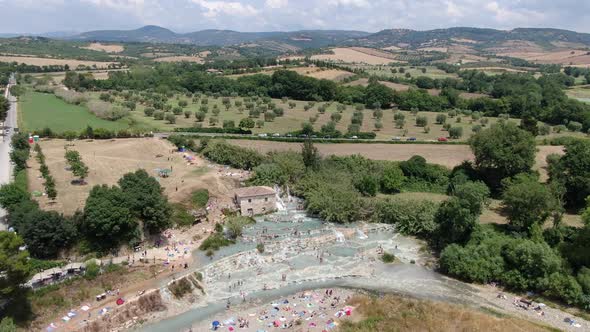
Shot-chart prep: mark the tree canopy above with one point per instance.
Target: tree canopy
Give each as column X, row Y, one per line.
column 502, row 151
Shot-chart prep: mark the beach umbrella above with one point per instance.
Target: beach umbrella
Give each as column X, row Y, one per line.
column 120, row 301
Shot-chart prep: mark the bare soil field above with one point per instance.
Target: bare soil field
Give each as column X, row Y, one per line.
column 349, row 55
column 105, row 48
column 331, row 74
column 446, row 155
column 109, row 160
column 375, row 52
column 48, row 61
column 180, row 58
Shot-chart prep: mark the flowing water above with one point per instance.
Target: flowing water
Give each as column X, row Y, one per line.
column 301, row 252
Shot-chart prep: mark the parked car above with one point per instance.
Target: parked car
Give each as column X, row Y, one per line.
column 354, row 137
column 396, row 138
column 411, row 139
column 442, row 139
column 276, row 135
column 262, row 135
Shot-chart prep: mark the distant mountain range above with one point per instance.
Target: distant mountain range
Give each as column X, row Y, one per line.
column 156, row 34
column 293, row 40
column 475, row 36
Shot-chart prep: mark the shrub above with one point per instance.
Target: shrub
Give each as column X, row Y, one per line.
column 214, row 242
column 441, row 118
column 421, row 121
column 456, row 132
column 574, row 126
column 149, row 111
column 416, row 218
column 106, row 110
column 200, row 198
column 388, row 258
column 92, row 270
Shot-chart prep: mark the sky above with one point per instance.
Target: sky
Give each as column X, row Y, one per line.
column 39, row 16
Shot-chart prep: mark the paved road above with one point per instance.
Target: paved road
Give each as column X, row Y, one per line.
column 5, row 165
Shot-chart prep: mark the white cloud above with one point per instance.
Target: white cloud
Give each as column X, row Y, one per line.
column 453, row 10
column 276, row 4
column 117, row 4
column 215, row 8
column 265, row 15
column 350, row 3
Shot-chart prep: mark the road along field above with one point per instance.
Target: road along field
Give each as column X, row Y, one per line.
column 443, row 154
column 109, row 160
column 36, row 61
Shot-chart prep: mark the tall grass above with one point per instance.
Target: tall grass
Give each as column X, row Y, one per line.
column 393, row 313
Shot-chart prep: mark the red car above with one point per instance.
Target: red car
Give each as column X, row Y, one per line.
column 442, row 139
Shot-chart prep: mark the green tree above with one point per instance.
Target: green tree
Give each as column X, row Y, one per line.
column 171, row 118
column 526, row 202
column 7, row 325
column 310, row 154
column 421, row 121
column 502, row 151
column 247, row 123
column 46, row 232
column 4, row 107
column 146, row 200
column 334, row 202
column 455, row 222
column 573, row 170
column 527, row 262
column 14, row 265
column 441, row 119
column 367, row 184
column 474, row 195
column 392, row 179
column 108, row 219
column 456, row 132
column 11, row 194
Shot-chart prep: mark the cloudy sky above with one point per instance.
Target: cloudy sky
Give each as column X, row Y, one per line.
column 36, row 16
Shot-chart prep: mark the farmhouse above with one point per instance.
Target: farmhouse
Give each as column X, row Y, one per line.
column 255, row 200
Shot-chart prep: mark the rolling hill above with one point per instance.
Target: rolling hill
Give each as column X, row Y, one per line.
column 476, row 37
column 211, row 37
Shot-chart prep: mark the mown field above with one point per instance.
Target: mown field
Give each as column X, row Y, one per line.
column 40, row 110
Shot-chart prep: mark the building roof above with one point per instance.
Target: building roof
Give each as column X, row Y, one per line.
column 254, row 191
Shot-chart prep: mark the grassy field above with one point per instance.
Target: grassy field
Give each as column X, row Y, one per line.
column 396, row 313
column 581, row 93
column 39, row 110
column 386, row 71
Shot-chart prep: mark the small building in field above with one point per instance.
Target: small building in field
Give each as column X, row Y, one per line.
column 255, row 200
